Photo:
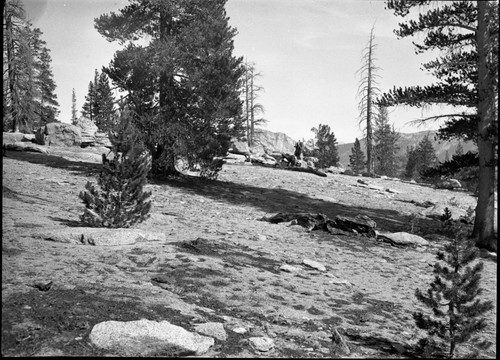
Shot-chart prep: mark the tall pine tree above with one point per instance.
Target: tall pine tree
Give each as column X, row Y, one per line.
column 99, row 103
column 183, row 82
column 357, row 159
column 326, row 147
column 29, row 98
column 251, row 108
column 367, row 93
column 385, row 145
column 466, row 33
column 74, row 118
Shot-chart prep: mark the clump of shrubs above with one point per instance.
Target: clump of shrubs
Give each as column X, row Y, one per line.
column 453, row 297
column 119, row 200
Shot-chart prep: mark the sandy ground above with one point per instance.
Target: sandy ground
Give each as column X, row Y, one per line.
column 220, row 262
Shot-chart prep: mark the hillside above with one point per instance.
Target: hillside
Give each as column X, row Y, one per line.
column 410, row 139
column 206, row 263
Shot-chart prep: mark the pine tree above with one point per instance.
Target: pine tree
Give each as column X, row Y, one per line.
column 73, row 108
column 367, row 92
column 357, row 159
column 466, row 35
column 89, row 104
column 426, row 155
column 183, row 83
column 99, row 103
column 454, row 294
column 420, row 159
column 28, row 92
column 412, row 163
column 250, row 91
column 326, row 147
column 104, row 103
column 119, row 200
column 385, row 145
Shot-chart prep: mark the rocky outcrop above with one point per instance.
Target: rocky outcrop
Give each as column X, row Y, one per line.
column 272, row 142
column 239, row 147
column 88, row 131
column 62, row 134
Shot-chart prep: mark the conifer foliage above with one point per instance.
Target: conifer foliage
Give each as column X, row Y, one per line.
column 326, row 147
column 29, row 98
column 119, row 199
column 357, row 159
column 454, row 294
column 99, row 103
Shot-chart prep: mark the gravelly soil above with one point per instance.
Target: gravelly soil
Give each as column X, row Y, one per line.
column 220, row 260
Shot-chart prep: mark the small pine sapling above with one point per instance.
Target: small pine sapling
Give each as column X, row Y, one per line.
column 453, row 295
column 119, row 200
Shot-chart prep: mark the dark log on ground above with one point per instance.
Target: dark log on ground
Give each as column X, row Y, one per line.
column 361, row 224
column 294, row 168
column 309, row 169
column 342, row 225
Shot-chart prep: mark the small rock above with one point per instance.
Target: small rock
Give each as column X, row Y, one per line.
column 338, row 281
column 314, row 264
column 392, row 191
column 404, row 238
column 289, row 268
column 262, row 344
column 362, row 182
column 262, row 238
column 240, row 330
column 213, row 329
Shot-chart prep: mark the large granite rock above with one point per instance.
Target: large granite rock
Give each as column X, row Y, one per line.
column 272, row 142
column 148, row 338
column 239, row 147
column 88, row 131
column 62, row 134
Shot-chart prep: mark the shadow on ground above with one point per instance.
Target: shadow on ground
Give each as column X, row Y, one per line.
column 269, row 200
column 281, row 200
column 76, row 167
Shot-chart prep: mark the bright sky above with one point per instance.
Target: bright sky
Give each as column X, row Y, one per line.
column 308, row 52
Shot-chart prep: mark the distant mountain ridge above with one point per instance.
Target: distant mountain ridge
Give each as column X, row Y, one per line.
column 410, row 139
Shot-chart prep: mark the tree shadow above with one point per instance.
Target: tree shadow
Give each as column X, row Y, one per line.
column 69, row 223
column 274, row 200
column 385, row 346
column 58, row 162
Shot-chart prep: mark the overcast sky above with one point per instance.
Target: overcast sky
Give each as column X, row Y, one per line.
column 308, row 52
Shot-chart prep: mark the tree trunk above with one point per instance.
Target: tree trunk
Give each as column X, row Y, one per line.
column 247, row 104
column 369, row 135
column 11, row 70
column 252, row 119
column 484, row 222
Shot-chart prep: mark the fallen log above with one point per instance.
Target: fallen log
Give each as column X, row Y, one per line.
column 342, row 225
column 309, row 169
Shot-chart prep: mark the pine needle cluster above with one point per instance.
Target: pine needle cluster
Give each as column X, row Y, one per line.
column 454, row 294
column 119, row 199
